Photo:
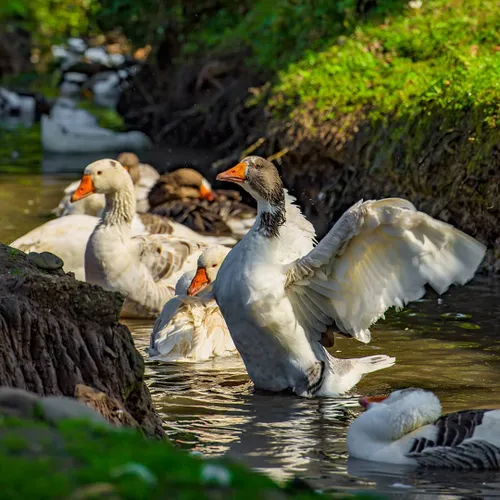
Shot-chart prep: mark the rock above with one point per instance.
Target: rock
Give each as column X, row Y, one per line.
column 26, row 405
column 46, row 260
column 18, row 403
column 53, row 409
column 56, row 333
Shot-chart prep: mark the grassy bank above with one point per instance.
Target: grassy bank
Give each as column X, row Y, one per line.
column 75, row 460
column 390, row 61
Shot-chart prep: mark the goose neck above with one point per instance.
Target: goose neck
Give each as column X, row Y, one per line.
column 270, row 217
column 120, row 208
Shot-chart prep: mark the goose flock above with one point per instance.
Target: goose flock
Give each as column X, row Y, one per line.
column 224, row 279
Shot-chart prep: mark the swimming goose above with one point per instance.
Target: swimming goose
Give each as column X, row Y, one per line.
column 192, row 328
column 407, row 428
column 278, row 293
column 186, row 196
column 144, row 269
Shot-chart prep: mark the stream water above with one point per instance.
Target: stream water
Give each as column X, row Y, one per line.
column 450, row 345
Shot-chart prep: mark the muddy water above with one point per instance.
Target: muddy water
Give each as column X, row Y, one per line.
column 451, row 346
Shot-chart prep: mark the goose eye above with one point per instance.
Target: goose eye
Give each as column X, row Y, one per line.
column 99, row 172
column 214, row 265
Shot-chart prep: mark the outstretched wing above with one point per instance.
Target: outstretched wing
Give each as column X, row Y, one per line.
column 379, row 254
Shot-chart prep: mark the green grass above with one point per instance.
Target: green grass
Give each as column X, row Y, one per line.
column 393, row 61
column 76, row 457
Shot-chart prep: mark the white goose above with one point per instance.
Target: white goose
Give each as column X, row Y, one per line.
column 278, row 294
column 143, row 176
column 192, row 328
column 143, row 268
column 407, row 428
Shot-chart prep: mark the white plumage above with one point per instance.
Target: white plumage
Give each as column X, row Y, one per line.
column 407, row 428
column 143, row 268
column 192, row 328
column 378, row 255
column 278, row 294
column 67, row 238
column 74, row 138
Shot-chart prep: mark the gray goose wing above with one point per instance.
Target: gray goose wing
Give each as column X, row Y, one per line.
column 452, row 447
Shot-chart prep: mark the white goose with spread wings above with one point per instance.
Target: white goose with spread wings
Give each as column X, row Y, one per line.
column 407, row 428
column 144, row 269
column 278, row 294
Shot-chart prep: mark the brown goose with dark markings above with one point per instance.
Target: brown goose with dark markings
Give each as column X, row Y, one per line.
column 187, row 197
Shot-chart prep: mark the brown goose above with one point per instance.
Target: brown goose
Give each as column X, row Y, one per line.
column 144, row 177
column 187, row 197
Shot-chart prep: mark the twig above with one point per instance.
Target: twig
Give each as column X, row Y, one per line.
column 257, row 144
column 277, row 155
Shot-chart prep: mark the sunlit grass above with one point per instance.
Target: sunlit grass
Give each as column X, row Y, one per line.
column 396, row 60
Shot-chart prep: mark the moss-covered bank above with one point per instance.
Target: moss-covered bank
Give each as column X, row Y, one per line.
column 77, row 460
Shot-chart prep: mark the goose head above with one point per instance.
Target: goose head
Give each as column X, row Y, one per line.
column 130, row 163
column 388, row 418
column 103, row 176
column 185, row 183
column 259, row 177
column 209, row 263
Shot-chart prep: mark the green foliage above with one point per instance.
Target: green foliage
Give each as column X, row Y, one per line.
column 150, row 21
column 50, row 21
column 440, row 57
column 391, row 60
column 79, row 460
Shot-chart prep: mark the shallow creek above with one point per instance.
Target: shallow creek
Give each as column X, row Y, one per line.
column 450, row 345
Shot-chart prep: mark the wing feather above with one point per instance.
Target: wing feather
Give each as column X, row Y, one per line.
column 165, row 257
column 378, row 255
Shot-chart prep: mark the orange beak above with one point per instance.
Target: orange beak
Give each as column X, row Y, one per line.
column 126, row 167
column 367, row 400
column 86, row 188
column 200, row 281
column 206, row 193
column 236, row 174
